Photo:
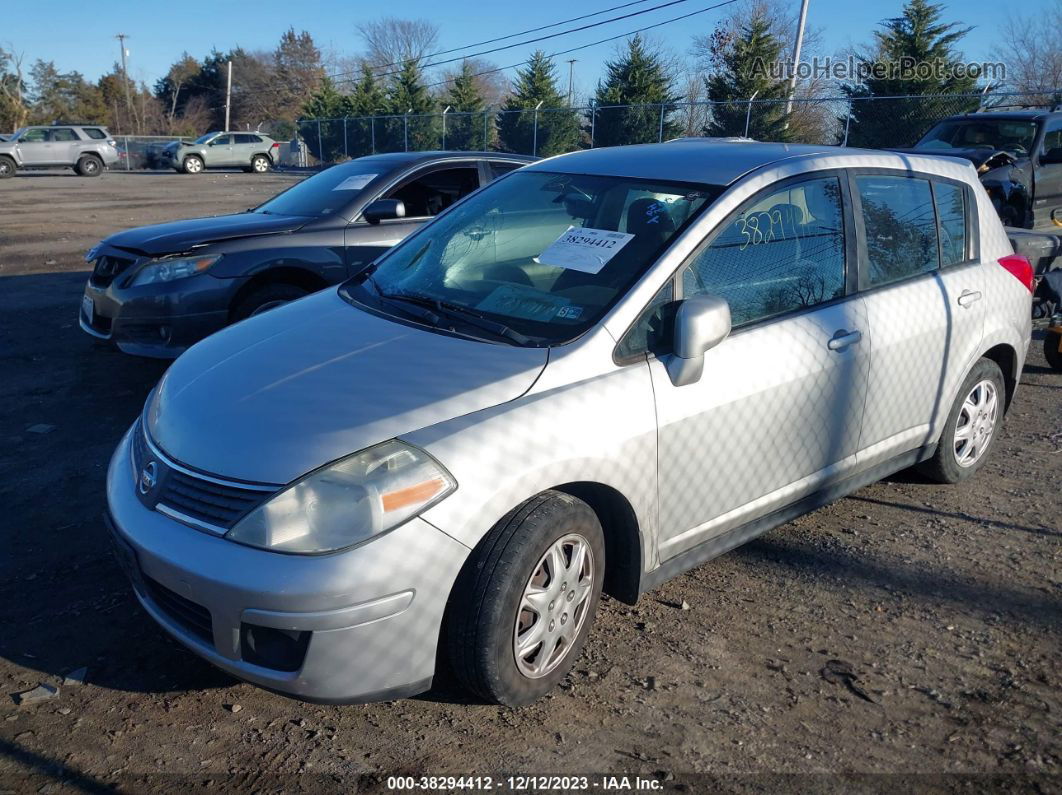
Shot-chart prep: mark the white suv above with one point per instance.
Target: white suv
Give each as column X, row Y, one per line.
column 594, row 373
column 88, row 149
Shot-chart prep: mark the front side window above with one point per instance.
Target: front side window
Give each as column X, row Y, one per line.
column 951, row 211
column 901, row 228
column 1053, row 137
column 783, row 252
column 499, row 167
column 34, row 136
column 431, row 193
column 540, row 253
column 221, row 140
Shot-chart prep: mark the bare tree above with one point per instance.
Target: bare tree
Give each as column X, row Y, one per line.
column 1029, row 48
column 391, row 41
column 14, row 110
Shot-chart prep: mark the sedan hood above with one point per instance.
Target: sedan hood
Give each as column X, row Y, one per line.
column 283, row 393
column 179, row 236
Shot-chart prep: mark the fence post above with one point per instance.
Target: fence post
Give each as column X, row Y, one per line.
column 372, row 132
column 534, row 140
column 748, row 114
column 320, row 143
column 447, row 110
column 128, row 166
column 593, row 122
column 405, row 131
column 660, row 135
column 345, row 152
column 847, row 122
column 485, row 143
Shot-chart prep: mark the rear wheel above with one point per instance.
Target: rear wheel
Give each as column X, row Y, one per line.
column 260, row 164
column 522, row 607
column 193, row 164
column 267, row 297
column 972, row 426
column 7, row 167
column 89, row 166
column 1053, row 349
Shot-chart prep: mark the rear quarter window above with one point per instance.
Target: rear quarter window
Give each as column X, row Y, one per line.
column 95, row 133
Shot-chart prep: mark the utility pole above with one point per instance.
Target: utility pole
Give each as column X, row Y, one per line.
column 228, row 97
column 796, row 54
column 571, row 76
column 125, row 76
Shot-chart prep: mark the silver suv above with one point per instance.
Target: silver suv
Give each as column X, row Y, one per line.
column 253, row 152
column 86, row 148
column 596, row 372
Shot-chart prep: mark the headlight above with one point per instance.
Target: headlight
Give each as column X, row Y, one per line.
column 168, row 270
column 347, row 502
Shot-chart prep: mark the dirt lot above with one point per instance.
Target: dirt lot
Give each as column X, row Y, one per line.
column 942, row 602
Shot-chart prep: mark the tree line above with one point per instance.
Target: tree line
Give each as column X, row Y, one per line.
column 393, row 77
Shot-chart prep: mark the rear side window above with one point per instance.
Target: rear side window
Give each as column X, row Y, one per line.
column 951, row 213
column 245, row 138
column 498, row 168
column 64, row 134
column 433, row 192
column 95, row 133
column 901, row 228
column 782, row 252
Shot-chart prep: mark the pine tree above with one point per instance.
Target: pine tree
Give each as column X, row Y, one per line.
column 464, row 122
column 407, row 95
column 558, row 127
column 321, row 126
column 639, row 78
column 927, row 46
column 297, row 72
column 366, row 100
column 741, row 73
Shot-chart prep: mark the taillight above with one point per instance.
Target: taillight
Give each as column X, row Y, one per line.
column 1020, row 268
column 275, row 145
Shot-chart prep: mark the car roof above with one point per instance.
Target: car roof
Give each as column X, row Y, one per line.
column 403, row 158
column 1010, row 115
column 708, row 162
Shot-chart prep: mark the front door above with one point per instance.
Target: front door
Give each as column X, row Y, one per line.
column 35, row 148
column 777, row 412
column 1047, row 179
column 219, row 152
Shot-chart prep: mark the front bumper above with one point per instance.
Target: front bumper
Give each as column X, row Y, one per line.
column 160, row 320
column 367, row 619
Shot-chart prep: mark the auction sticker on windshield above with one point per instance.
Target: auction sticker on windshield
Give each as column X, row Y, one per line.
column 527, row 303
column 586, row 250
column 357, row 182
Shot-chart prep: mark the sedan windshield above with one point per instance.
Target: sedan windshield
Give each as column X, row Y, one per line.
column 325, row 193
column 1014, row 136
column 538, row 257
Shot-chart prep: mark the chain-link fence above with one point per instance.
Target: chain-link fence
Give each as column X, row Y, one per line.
column 873, row 122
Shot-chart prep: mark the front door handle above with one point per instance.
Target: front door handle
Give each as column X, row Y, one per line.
column 842, row 339
column 969, row 297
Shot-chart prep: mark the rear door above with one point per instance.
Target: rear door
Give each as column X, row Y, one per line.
column 1047, row 204
column 926, row 319
column 66, row 146
column 426, row 192
column 244, row 147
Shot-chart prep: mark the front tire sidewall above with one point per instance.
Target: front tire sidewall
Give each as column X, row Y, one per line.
column 193, row 165
column 7, row 168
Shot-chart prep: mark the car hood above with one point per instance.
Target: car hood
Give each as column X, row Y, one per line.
column 280, row 394
column 978, row 155
column 179, row 236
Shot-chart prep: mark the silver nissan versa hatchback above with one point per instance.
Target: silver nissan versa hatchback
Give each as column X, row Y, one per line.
column 595, row 373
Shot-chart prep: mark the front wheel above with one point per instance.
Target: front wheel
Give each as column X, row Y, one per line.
column 972, row 426
column 267, row 297
column 193, row 164
column 1053, row 350
column 522, row 607
column 7, row 167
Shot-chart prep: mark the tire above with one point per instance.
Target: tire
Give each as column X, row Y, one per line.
column 978, row 409
column 267, row 297
column 488, row 612
column 7, row 167
column 89, row 166
column 1051, row 352
column 193, row 164
column 260, row 164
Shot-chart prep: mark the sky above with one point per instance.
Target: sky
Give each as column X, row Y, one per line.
column 158, row 33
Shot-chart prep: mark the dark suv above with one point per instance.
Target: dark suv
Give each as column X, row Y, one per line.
column 1018, row 155
column 155, row 290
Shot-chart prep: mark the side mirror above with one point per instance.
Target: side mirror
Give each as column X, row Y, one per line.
column 1051, row 157
column 383, row 210
column 701, row 323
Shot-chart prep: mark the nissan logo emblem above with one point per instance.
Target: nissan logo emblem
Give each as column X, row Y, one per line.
column 149, row 477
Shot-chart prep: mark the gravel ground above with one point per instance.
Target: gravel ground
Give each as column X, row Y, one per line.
column 906, row 638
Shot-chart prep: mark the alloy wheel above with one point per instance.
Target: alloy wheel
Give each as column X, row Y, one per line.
column 553, row 606
column 976, row 423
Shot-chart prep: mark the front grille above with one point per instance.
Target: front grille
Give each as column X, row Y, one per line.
column 191, row 616
column 214, row 503
column 107, row 268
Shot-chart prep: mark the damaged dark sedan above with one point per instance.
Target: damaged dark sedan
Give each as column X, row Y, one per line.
column 156, row 290
column 1018, row 156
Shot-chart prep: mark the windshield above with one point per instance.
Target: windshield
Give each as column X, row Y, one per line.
column 202, row 139
column 541, row 254
column 325, row 193
column 1014, row 136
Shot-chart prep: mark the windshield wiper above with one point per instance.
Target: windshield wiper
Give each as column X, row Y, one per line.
column 456, row 312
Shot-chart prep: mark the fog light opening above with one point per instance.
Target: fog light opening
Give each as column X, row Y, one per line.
column 279, row 649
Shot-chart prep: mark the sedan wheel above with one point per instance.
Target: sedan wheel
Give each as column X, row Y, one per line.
column 976, row 423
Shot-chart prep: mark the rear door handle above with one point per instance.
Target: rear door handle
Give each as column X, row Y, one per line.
column 842, row 339
column 969, row 297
